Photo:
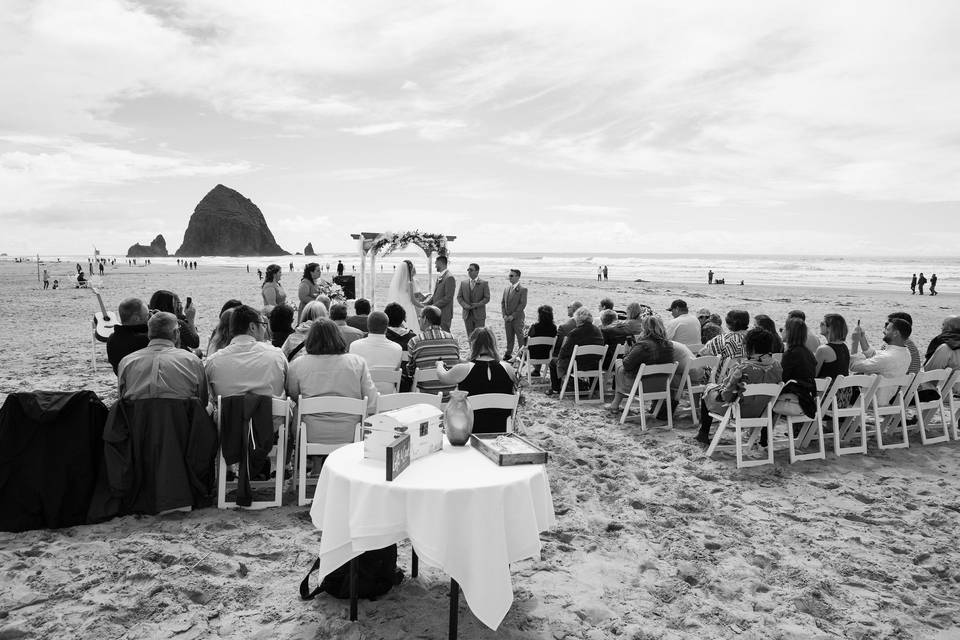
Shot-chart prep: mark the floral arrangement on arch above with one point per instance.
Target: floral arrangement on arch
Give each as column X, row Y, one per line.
column 390, row 241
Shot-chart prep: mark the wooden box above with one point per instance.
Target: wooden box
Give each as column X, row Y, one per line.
column 507, row 449
column 422, row 422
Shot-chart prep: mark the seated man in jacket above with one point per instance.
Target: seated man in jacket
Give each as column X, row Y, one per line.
column 757, row 367
column 131, row 334
column 161, row 370
column 248, row 364
column 585, row 333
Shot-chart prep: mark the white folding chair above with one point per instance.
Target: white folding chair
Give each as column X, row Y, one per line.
column 527, row 363
column 695, row 347
column 849, row 422
column 619, row 351
column 754, row 425
column 951, row 389
column 573, row 370
column 321, row 405
column 636, row 391
column 424, row 375
column 926, row 409
column 497, row 401
column 385, row 375
column 891, row 414
column 709, row 363
column 400, row 400
column 280, row 409
column 808, row 428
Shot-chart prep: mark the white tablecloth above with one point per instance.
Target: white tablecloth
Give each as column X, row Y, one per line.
column 461, row 512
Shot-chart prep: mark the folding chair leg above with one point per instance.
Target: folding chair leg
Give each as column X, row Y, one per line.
column 716, row 436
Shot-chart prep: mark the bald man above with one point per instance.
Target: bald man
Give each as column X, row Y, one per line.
column 161, row 369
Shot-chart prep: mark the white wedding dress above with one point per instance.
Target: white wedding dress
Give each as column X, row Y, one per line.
column 403, row 291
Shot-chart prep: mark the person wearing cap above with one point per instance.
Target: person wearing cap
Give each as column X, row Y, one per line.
column 703, row 316
column 683, row 327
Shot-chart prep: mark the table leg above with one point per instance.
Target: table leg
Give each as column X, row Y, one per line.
column 354, row 585
column 414, row 564
column 454, row 607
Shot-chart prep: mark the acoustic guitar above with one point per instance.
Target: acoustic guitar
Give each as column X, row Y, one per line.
column 103, row 322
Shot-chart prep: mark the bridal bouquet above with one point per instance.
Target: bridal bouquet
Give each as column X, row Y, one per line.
column 331, row 290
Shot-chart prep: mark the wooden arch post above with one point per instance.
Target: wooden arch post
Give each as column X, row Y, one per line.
column 365, row 242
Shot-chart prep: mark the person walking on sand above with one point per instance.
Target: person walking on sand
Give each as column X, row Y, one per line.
column 605, row 272
column 599, row 274
column 46, row 279
column 922, row 280
column 710, row 276
column 933, row 285
column 913, row 285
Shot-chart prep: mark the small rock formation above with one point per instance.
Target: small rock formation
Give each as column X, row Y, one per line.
column 225, row 223
column 308, row 250
column 157, row 249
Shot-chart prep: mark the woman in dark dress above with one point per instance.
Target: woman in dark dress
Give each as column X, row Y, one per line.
column 799, row 366
column 833, row 358
column 485, row 373
column 281, row 324
column 544, row 327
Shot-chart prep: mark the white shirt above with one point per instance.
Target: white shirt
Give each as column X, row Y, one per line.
column 890, row 362
column 378, row 351
column 247, row 366
column 684, row 329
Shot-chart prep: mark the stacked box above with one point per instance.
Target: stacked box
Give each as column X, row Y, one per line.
column 422, row 422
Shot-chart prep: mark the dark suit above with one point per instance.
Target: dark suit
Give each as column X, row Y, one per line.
column 442, row 298
column 513, row 303
column 475, row 316
column 585, row 334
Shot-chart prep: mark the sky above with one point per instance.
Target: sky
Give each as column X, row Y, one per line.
column 752, row 127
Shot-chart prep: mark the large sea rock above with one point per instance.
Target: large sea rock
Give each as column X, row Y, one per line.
column 225, row 223
column 156, row 249
column 308, row 250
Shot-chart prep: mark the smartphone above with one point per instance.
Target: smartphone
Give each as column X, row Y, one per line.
column 190, row 301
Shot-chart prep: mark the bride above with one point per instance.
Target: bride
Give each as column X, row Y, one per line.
column 405, row 292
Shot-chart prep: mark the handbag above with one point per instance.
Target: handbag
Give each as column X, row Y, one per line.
column 377, row 573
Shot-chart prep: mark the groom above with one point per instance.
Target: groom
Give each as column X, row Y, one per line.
column 443, row 293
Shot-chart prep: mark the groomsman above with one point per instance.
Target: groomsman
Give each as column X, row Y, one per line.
column 512, row 305
column 443, row 293
column 473, row 295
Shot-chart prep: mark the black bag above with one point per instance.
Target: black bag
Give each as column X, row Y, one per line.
column 377, row 573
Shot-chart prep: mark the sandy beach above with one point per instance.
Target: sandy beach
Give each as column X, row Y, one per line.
column 653, row 540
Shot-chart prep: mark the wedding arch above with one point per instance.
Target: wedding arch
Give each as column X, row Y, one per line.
column 385, row 243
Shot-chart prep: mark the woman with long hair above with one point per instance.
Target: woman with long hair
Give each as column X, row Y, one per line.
column 484, row 373
column 767, row 324
column 308, row 289
column 328, row 370
column 405, row 292
column 271, row 290
column 653, row 347
column 169, row 302
column 544, row 327
column 293, row 345
column 833, row 358
column 798, row 396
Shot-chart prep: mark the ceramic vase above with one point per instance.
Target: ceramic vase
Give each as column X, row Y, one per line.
column 458, row 418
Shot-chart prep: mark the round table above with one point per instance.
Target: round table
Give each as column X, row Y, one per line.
column 462, row 513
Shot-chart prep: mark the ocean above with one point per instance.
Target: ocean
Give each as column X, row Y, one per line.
column 835, row 272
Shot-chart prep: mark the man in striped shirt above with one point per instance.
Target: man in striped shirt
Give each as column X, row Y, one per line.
column 729, row 345
column 430, row 345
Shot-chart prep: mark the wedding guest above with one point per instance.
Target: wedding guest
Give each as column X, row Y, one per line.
column 798, row 396
column 220, row 336
column 361, row 310
column 161, row 369
column 308, row 290
column 614, row 334
column 653, row 347
column 544, row 327
column 512, row 306
column 949, row 334
column 294, row 344
column 758, row 367
column 585, row 333
column 430, row 345
column 169, row 302
column 131, row 334
column 833, row 358
column 766, row 323
column 683, row 327
column 607, row 303
column 812, row 341
column 399, row 333
column 709, row 331
column 636, row 312
column 377, row 350
column 891, row 361
column 326, row 369
column 338, row 313
column 567, row 326
column 703, row 315
column 281, row 324
column 915, row 361
column 715, row 318
column 248, row 364
column 473, row 295
column 730, row 344
column 944, row 350
column 271, row 290
column 484, row 373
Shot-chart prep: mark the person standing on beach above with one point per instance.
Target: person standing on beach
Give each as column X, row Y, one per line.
column 599, row 274
column 605, row 272
column 933, row 285
column 922, row 280
column 339, row 267
column 46, row 279
column 710, row 276
column 444, row 292
column 512, row 305
column 913, row 285
column 473, row 295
